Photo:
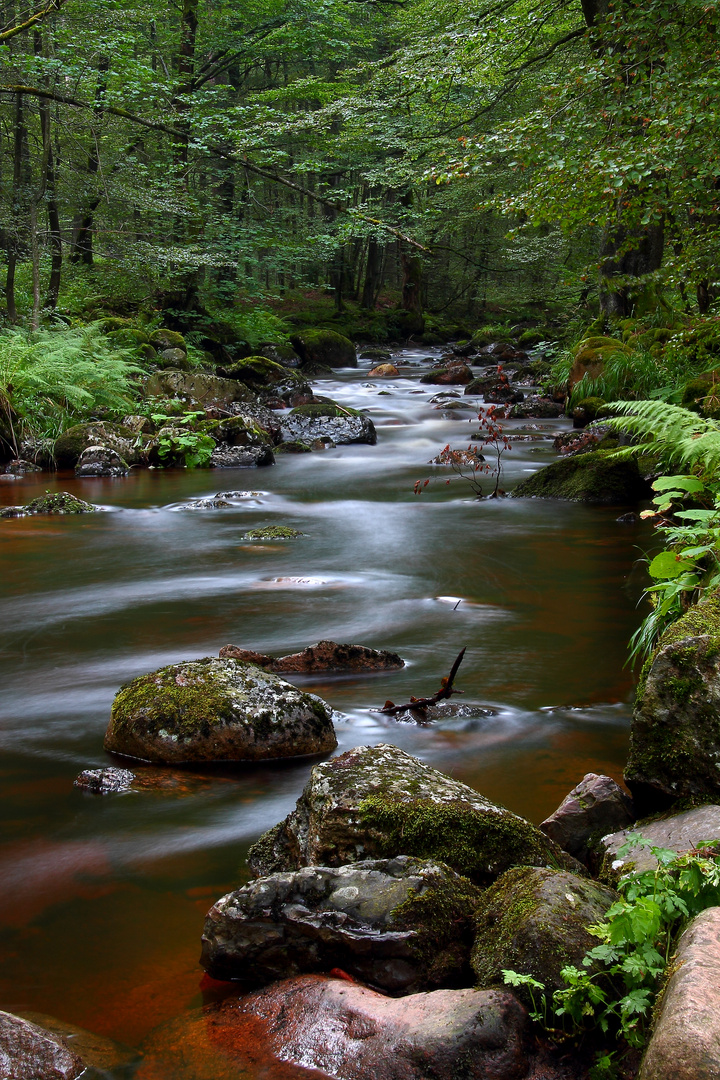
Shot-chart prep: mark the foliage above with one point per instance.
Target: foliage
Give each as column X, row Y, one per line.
column 679, row 436
column 468, row 464
column 638, row 374
column 55, row 378
column 614, row 990
column 175, row 445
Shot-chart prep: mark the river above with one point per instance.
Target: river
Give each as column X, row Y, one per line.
column 103, row 898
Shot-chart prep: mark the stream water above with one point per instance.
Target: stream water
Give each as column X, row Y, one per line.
column 102, row 898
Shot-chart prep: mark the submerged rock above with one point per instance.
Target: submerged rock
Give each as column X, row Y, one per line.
column 95, row 1051
column 107, row 781
column 456, row 374
column 217, row 710
column 401, row 924
column 29, row 1052
column 379, row 802
column 269, row 532
column 675, row 733
column 348, row 1032
column 597, row 477
column 537, row 408
column 324, row 656
column 685, row 1042
column 101, row 461
column 535, row 921
column 596, row 807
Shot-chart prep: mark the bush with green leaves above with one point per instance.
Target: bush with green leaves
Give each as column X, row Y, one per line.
column 614, row 991
column 52, row 379
column 177, row 446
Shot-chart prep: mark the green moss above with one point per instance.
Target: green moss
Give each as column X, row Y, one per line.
column 699, row 621
column 293, row 446
column 594, row 477
column 476, row 844
column 167, row 339
column 62, row 502
column 273, row 532
column 162, row 704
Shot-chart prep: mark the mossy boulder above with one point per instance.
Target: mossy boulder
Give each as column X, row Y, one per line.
column 535, row 921
column 124, row 441
column 591, row 356
column 273, row 532
column 596, row 477
column 197, row 388
column 324, row 347
column 403, row 925
column 236, row 431
column 702, row 394
column 675, row 733
column 217, row 710
column 167, row 339
column 281, row 354
column 590, row 408
column 58, row 502
column 260, row 374
column 379, row 802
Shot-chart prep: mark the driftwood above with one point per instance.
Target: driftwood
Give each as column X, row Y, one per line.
column 418, row 707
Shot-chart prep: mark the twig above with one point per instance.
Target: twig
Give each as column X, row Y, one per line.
column 421, row 705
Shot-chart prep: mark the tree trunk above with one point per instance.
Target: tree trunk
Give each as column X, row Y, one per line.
column 20, row 165
column 628, row 255
column 373, row 275
column 412, row 269
column 85, row 222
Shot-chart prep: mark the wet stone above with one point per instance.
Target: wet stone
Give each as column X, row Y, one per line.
column 105, row 781
column 29, row 1052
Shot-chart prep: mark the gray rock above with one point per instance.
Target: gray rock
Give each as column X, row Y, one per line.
column 537, row 407
column 124, row 441
column 197, row 388
column 173, row 358
column 105, row 781
column 535, row 921
column 19, row 467
column 377, row 802
column 401, row 925
column 351, row 1033
column 675, row 734
column 226, row 456
column 338, row 429
column 217, row 710
column 596, row 807
column 101, row 461
column 685, row 1044
column 29, row 1052
column 678, row 832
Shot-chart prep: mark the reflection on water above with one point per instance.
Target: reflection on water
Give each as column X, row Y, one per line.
column 103, row 898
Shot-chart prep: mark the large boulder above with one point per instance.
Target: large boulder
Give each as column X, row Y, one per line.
column 324, row 656
column 30, row 1052
column 306, row 423
column 685, row 1043
column 456, row 374
column 675, row 734
column 597, row 477
column 267, row 378
column 674, row 832
column 402, row 925
column 376, row 802
column 535, row 921
column 217, row 710
column 324, row 347
column 592, row 355
column 124, row 441
column 348, row 1032
column 595, row 807
column 197, row 388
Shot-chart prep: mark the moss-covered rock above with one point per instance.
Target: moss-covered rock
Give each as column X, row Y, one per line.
column 403, row 925
column 281, row 354
column 675, row 734
column 273, row 532
column 702, row 394
column 216, row 710
column 379, row 802
column 590, row 407
column 260, row 374
column 534, row 921
column 236, row 431
column 59, row 502
column 167, row 339
column 325, row 347
column 197, row 388
column 129, row 444
column 596, row 477
column 591, row 356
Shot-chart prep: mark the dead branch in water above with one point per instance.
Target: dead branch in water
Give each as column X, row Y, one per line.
column 421, row 705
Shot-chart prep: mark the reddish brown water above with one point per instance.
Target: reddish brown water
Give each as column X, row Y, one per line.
column 103, row 898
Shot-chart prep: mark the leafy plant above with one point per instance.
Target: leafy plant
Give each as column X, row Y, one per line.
column 468, row 464
column 680, row 437
column 614, row 990
column 174, row 445
column 55, row 378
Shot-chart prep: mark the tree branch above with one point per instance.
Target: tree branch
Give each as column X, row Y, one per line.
column 50, row 9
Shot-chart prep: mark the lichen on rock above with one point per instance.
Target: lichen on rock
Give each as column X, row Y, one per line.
column 217, row 710
column 379, row 802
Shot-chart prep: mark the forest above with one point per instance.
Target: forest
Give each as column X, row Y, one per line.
column 330, row 236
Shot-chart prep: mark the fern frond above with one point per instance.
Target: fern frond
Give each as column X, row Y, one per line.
column 680, row 436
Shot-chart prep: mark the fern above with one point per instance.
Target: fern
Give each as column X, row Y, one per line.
column 54, row 378
column 682, row 438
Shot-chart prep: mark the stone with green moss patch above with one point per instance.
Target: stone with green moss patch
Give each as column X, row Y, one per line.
column 324, row 347
column 328, row 421
column 675, row 734
column 217, row 710
column 379, row 802
column 403, row 925
column 535, row 921
column 129, row 444
column 273, row 532
column 59, row 502
column 596, row 477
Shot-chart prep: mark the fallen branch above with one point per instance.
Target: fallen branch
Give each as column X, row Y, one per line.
column 421, row 705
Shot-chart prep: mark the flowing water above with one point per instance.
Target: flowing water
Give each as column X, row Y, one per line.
column 102, row 898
